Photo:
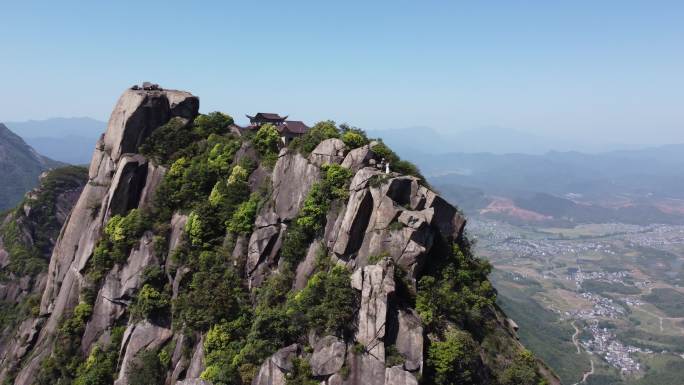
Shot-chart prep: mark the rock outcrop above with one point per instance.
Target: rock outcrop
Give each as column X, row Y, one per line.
column 117, row 179
column 376, row 283
column 383, row 236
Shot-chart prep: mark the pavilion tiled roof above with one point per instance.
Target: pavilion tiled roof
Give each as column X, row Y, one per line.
column 295, row 127
column 267, row 115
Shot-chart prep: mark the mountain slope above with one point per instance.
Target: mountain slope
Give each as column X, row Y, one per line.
column 27, row 235
column 68, row 140
column 20, row 166
column 199, row 254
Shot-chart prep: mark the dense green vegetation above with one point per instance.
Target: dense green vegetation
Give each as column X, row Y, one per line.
column 148, row 368
column 656, row 342
column 318, row 133
column 455, row 300
column 456, row 290
column 29, row 240
column 266, row 142
column 63, row 365
column 454, row 360
column 120, row 234
column 100, row 367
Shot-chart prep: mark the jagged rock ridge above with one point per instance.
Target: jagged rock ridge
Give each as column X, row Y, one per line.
column 378, row 233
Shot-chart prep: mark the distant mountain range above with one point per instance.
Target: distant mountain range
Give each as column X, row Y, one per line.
column 496, row 140
column 20, row 166
column 637, row 186
column 69, row 140
column 521, row 175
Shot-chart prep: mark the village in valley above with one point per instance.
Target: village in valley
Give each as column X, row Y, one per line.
column 610, row 282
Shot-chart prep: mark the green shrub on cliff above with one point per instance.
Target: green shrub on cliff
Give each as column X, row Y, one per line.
column 167, row 140
column 454, row 360
column 318, row 133
column 150, row 303
column 328, row 303
column 242, row 220
column 213, row 294
column 266, row 142
column 212, row 123
column 354, row 138
column 455, row 290
column 146, row 369
column 522, row 371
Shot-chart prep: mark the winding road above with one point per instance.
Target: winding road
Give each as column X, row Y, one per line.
column 575, row 340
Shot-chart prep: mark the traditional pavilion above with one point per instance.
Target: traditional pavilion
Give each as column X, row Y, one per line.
column 288, row 129
column 266, row 117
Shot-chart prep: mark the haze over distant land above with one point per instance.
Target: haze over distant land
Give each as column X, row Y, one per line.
column 69, row 140
column 492, row 139
column 582, row 72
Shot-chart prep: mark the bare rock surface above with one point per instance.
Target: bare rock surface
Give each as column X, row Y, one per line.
column 328, row 356
column 365, row 369
column 196, row 365
column 288, row 196
column 398, row 376
column 327, row 152
column 375, row 282
column 409, row 341
column 273, row 370
column 138, row 337
column 357, row 158
column 193, row 381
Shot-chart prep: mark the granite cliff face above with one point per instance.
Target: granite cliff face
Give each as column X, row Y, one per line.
column 320, row 263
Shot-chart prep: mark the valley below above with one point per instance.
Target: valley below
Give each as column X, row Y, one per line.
column 600, row 303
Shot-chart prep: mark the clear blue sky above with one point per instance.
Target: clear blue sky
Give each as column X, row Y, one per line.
column 594, row 70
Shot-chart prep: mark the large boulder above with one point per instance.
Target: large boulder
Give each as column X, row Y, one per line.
column 139, row 112
column 409, row 341
column 353, row 223
column 328, row 356
column 364, row 369
column 358, row 158
column 375, row 282
column 293, row 176
column 261, row 244
column 328, row 151
column 138, row 337
column 397, row 376
column 392, row 215
column 273, row 370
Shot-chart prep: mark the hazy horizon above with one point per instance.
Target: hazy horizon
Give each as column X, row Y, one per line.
column 590, row 73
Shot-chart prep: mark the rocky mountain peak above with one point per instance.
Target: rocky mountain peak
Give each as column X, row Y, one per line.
column 202, row 253
column 139, row 111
